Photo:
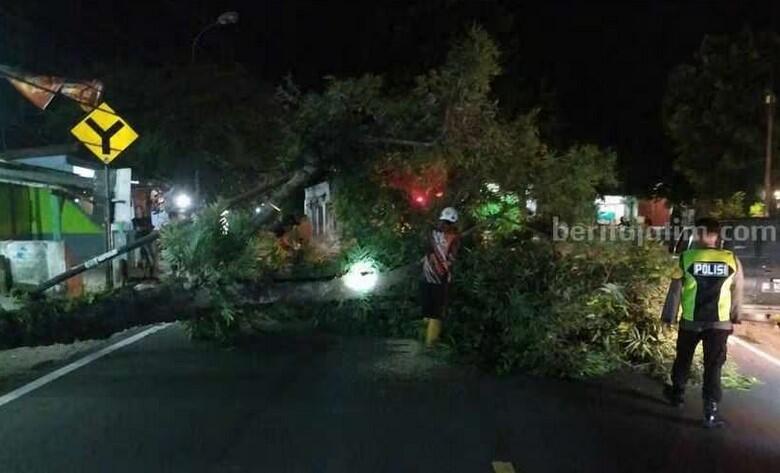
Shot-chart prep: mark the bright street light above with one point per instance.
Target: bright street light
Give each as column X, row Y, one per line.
column 182, row 201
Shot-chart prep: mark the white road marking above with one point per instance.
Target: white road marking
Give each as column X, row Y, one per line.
column 752, row 348
column 54, row 375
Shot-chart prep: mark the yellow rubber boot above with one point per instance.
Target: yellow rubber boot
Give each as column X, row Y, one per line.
column 433, row 332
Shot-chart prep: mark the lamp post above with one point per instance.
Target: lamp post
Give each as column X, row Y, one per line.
column 227, row 18
column 769, row 195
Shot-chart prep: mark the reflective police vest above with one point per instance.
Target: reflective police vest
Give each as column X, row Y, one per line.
column 708, row 275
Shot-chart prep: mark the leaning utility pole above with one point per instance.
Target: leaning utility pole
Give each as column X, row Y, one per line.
column 769, row 201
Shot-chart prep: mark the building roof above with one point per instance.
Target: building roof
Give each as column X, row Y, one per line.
column 35, row 176
column 51, row 150
column 67, row 152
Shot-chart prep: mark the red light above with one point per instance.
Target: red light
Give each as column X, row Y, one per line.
column 419, row 199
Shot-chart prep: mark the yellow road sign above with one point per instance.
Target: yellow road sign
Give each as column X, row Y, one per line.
column 104, row 133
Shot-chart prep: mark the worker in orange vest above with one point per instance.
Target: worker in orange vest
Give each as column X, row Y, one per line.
column 437, row 266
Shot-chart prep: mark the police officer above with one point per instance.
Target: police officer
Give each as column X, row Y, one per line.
column 707, row 286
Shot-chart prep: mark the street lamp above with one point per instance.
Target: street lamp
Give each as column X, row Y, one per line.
column 183, row 202
column 227, row 18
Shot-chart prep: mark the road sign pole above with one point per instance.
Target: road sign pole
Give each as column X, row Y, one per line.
column 106, row 135
column 109, row 246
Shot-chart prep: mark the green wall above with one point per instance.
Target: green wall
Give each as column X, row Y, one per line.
column 32, row 213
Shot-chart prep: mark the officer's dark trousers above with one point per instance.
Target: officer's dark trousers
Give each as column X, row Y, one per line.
column 714, row 356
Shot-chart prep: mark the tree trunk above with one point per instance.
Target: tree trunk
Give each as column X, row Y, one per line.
column 295, row 181
column 268, row 183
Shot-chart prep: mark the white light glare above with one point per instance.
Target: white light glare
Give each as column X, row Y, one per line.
column 362, row 276
column 493, row 187
column 777, row 195
column 183, row 201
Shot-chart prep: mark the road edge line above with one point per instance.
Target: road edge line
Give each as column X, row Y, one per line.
column 756, row 351
column 81, row 362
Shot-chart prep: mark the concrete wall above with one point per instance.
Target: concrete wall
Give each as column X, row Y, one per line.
column 33, row 262
column 31, row 213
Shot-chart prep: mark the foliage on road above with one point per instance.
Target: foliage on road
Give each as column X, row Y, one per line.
column 213, row 255
column 732, row 378
column 517, row 303
column 580, row 310
column 49, row 321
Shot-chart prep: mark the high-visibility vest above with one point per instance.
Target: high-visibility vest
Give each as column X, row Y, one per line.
column 708, row 275
column 437, row 264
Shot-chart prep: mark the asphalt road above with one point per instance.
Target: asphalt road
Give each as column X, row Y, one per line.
column 327, row 404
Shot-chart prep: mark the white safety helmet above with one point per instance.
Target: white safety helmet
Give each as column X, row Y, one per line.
column 449, row 214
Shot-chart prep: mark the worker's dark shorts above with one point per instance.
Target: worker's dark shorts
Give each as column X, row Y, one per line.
column 434, row 298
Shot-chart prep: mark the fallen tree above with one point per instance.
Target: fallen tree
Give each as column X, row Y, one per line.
column 396, row 159
column 49, row 321
column 520, row 301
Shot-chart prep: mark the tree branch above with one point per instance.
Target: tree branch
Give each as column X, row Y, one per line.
column 398, row 142
column 293, row 182
column 265, row 185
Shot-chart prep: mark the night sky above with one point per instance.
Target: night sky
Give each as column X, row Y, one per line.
column 605, row 63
